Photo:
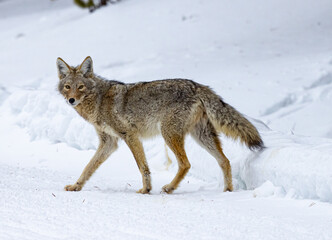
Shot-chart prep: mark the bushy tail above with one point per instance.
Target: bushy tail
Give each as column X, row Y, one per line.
column 229, row 121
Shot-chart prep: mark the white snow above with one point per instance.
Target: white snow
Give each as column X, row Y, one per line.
column 272, row 60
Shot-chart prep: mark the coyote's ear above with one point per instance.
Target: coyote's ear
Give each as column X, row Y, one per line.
column 86, row 67
column 63, row 68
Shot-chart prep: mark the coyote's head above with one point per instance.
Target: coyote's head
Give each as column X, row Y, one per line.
column 76, row 83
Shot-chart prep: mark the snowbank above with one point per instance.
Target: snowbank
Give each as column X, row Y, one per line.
column 295, row 163
column 45, row 115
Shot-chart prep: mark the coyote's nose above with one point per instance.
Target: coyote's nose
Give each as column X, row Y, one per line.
column 71, row 100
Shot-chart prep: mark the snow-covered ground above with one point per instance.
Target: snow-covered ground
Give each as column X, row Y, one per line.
column 272, row 60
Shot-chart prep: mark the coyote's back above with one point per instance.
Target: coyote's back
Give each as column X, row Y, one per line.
column 190, row 101
column 173, row 108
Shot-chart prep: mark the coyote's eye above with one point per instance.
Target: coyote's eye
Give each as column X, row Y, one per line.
column 80, row 87
column 67, row 87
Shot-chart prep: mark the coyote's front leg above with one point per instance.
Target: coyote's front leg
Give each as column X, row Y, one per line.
column 136, row 148
column 107, row 145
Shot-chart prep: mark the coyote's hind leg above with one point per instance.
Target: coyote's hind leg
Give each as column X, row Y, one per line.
column 206, row 136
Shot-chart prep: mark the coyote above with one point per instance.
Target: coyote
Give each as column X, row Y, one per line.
column 172, row 107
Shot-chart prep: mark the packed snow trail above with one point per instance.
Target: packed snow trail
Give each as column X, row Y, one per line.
column 34, row 206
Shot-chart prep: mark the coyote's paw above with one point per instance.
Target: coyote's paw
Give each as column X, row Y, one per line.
column 168, row 188
column 143, row 190
column 74, row 187
column 228, row 188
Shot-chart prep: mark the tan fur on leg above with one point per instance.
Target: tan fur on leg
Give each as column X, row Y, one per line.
column 107, row 145
column 176, row 144
column 206, row 136
column 136, row 147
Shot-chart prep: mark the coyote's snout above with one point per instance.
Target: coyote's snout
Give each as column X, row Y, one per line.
column 72, row 101
column 131, row 112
